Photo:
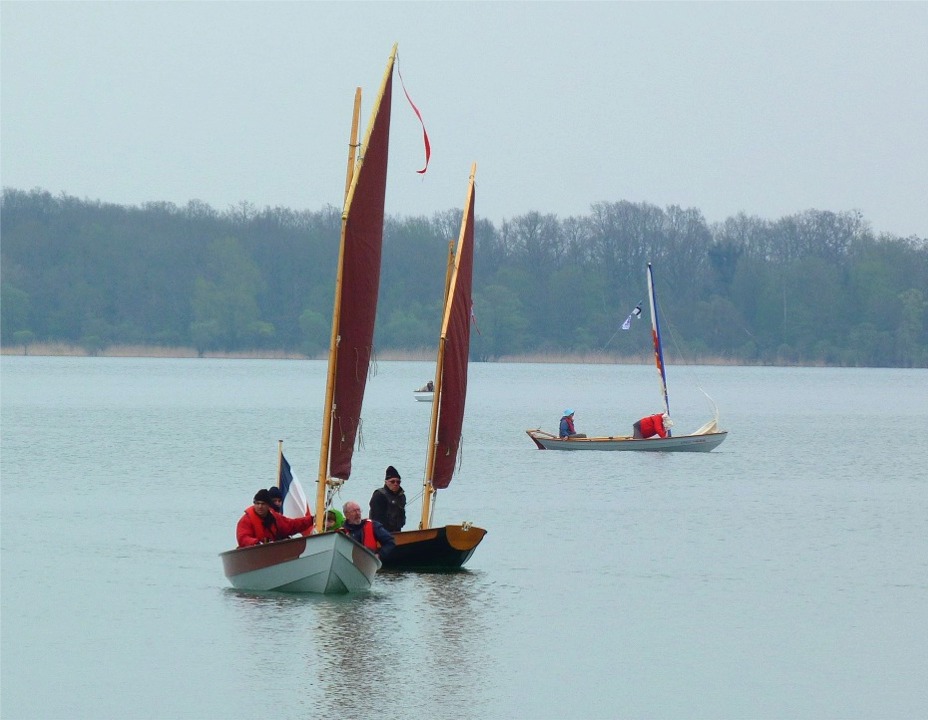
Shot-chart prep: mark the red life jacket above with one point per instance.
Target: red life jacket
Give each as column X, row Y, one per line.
column 370, row 540
column 258, row 530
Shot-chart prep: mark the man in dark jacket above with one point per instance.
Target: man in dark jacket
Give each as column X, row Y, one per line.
column 388, row 504
column 370, row 533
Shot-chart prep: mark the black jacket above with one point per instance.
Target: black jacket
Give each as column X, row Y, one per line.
column 389, row 508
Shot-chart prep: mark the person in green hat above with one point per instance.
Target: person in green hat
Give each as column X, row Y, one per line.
column 333, row 520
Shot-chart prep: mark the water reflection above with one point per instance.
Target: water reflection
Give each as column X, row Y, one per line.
column 460, row 648
column 258, row 612
column 425, row 637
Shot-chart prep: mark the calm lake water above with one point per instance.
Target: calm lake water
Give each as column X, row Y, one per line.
column 784, row 575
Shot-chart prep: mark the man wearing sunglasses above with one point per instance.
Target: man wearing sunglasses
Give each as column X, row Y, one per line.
column 388, row 503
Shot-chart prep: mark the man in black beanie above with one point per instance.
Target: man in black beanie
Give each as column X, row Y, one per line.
column 388, row 504
column 260, row 524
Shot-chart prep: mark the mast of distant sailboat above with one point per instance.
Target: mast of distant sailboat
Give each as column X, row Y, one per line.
column 658, row 347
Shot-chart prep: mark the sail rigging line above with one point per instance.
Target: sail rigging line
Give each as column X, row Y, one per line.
column 359, row 434
column 473, row 319
column 372, row 365
column 609, row 341
column 333, row 488
column 413, row 498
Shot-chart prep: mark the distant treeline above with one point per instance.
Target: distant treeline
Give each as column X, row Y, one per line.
column 813, row 288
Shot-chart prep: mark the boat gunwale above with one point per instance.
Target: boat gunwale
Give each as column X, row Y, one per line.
column 539, row 436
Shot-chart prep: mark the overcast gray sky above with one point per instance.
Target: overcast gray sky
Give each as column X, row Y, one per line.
column 765, row 108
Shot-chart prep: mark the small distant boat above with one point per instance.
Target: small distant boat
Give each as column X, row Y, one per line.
column 450, row 546
column 426, row 393
column 694, row 442
column 706, row 438
column 333, row 562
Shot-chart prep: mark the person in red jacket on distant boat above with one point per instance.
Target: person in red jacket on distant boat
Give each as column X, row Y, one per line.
column 652, row 425
column 260, row 524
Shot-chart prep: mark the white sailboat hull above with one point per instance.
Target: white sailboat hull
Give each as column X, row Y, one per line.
column 329, row 563
column 678, row 443
column 423, row 395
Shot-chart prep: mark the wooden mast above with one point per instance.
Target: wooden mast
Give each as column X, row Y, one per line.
column 656, row 338
column 353, row 142
column 356, row 154
column 321, row 482
column 428, row 490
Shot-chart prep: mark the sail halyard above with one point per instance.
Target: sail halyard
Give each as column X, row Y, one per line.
column 451, row 373
column 656, row 337
column 356, row 288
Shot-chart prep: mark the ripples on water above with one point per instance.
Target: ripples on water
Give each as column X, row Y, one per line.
column 783, row 575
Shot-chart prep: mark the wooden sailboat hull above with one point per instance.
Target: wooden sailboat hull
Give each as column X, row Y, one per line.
column 440, row 548
column 329, row 563
column 423, row 395
column 678, row 443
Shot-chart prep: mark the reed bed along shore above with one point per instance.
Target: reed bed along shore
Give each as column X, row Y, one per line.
column 420, row 355
column 152, row 351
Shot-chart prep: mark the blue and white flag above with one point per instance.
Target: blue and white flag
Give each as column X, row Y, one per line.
column 634, row 313
column 295, row 504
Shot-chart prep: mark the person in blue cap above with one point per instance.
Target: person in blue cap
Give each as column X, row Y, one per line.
column 567, row 429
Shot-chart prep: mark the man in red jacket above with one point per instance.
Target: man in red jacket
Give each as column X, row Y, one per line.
column 260, row 524
column 652, row 425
